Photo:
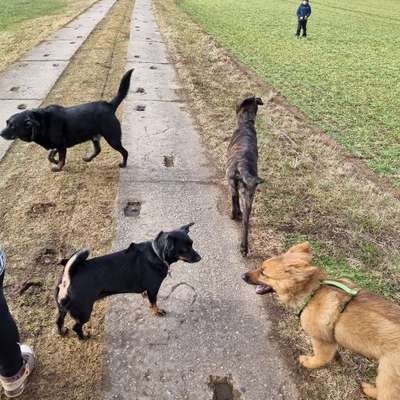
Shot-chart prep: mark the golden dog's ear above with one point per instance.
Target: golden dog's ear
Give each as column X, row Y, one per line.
column 300, row 248
column 301, row 273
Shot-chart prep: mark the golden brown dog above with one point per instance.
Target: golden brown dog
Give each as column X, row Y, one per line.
column 365, row 323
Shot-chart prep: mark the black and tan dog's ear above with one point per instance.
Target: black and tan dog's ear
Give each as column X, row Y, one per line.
column 259, row 101
column 159, row 235
column 32, row 120
column 186, row 227
column 131, row 247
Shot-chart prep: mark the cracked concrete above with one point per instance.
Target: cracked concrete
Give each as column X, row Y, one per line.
column 26, row 83
column 216, row 325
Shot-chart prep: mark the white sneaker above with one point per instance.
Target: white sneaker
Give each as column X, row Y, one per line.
column 15, row 385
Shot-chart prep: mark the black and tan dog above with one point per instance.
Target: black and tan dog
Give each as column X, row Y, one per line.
column 57, row 128
column 336, row 313
column 241, row 170
column 140, row 268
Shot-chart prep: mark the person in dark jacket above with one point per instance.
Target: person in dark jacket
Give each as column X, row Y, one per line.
column 303, row 13
column 16, row 360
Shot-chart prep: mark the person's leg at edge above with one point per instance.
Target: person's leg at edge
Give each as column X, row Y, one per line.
column 16, row 361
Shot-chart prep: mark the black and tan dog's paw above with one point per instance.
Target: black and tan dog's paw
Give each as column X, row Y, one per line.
column 63, row 332
column 158, row 312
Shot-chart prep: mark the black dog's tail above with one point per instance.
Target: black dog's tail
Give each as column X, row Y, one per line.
column 70, row 266
column 122, row 91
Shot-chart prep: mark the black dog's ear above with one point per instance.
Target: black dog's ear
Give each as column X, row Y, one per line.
column 32, row 120
column 259, row 101
column 130, row 248
column 64, row 261
column 186, row 227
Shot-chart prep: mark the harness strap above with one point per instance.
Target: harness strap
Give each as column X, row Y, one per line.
column 349, row 291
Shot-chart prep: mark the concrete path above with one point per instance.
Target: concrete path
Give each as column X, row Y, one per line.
column 26, row 83
column 216, row 326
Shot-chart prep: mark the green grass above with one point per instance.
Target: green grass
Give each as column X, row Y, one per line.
column 345, row 77
column 13, row 12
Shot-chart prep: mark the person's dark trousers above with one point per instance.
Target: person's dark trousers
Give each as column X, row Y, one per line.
column 10, row 352
column 302, row 25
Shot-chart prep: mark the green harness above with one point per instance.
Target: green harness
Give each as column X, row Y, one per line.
column 351, row 292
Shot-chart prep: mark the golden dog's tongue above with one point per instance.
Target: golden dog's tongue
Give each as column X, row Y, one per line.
column 263, row 289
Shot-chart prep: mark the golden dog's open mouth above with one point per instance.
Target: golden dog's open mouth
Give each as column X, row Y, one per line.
column 263, row 289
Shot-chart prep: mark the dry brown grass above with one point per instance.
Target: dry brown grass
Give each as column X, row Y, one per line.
column 314, row 190
column 27, row 34
column 45, row 215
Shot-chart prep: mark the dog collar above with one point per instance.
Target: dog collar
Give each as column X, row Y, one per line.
column 349, row 291
column 159, row 256
column 2, row 261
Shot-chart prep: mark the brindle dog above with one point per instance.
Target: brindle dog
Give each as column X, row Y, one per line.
column 241, row 170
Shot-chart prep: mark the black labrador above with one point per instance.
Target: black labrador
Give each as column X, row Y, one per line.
column 241, row 170
column 140, row 268
column 57, row 128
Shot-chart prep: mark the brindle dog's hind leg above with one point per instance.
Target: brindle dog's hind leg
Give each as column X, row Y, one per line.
column 96, row 149
column 236, row 212
column 246, row 195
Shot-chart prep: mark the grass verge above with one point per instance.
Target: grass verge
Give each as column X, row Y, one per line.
column 314, row 190
column 45, row 216
column 25, row 23
column 343, row 77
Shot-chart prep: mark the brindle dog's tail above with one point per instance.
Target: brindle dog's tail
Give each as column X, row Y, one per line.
column 122, row 91
column 70, row 267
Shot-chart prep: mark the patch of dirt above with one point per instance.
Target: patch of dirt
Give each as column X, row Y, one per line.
column 22, row 37
column 314, row 190
column 45, row 216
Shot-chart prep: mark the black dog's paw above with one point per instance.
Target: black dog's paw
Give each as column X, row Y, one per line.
column 122, row 164
column 87, row 158
column 56, row 169
column 244, row 250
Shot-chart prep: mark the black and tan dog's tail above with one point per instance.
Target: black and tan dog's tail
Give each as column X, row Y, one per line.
column 70, row 266
column 123, row 90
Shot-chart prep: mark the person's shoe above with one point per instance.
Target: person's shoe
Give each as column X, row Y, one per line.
column 15, row 385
